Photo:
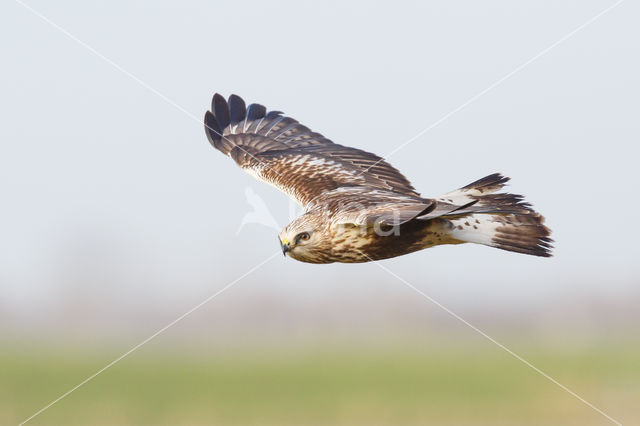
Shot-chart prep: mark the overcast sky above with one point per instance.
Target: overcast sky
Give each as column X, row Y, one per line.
column 110, row 189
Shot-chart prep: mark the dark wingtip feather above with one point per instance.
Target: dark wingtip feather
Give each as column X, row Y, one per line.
column 212, row 128
column 220, row 109
column 255, row 112
column 237, row 109
column 217, row 97
column 493, row 181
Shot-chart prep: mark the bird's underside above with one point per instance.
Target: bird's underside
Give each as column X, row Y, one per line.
column 357, row 206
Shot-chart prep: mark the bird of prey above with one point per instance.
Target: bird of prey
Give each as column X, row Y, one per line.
column 357, row 207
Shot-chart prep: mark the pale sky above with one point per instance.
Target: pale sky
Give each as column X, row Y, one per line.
column 110, row 189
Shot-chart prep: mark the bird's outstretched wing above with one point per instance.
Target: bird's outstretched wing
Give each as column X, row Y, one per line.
column 286, row 154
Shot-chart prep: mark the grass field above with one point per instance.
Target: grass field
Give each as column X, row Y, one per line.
column 444, row 385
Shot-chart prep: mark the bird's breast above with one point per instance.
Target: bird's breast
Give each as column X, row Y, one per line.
column 350, row 243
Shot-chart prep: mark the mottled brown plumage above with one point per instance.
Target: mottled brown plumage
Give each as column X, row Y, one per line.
column 357, row 206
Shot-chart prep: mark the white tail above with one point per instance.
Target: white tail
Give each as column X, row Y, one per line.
column 499, row 220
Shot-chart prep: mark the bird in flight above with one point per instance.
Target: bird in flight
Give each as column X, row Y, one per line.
column 357, row 207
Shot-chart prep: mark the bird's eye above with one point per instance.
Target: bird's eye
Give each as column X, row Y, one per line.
column 304, row 236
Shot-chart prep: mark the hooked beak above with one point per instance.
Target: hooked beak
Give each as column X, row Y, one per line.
column 285, row 247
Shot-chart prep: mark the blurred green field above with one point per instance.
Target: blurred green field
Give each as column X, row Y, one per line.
column 406, row 385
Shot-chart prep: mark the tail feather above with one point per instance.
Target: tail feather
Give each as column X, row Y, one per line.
column 500, row 220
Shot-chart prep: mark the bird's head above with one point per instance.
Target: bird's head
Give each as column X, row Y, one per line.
column 306, row 240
